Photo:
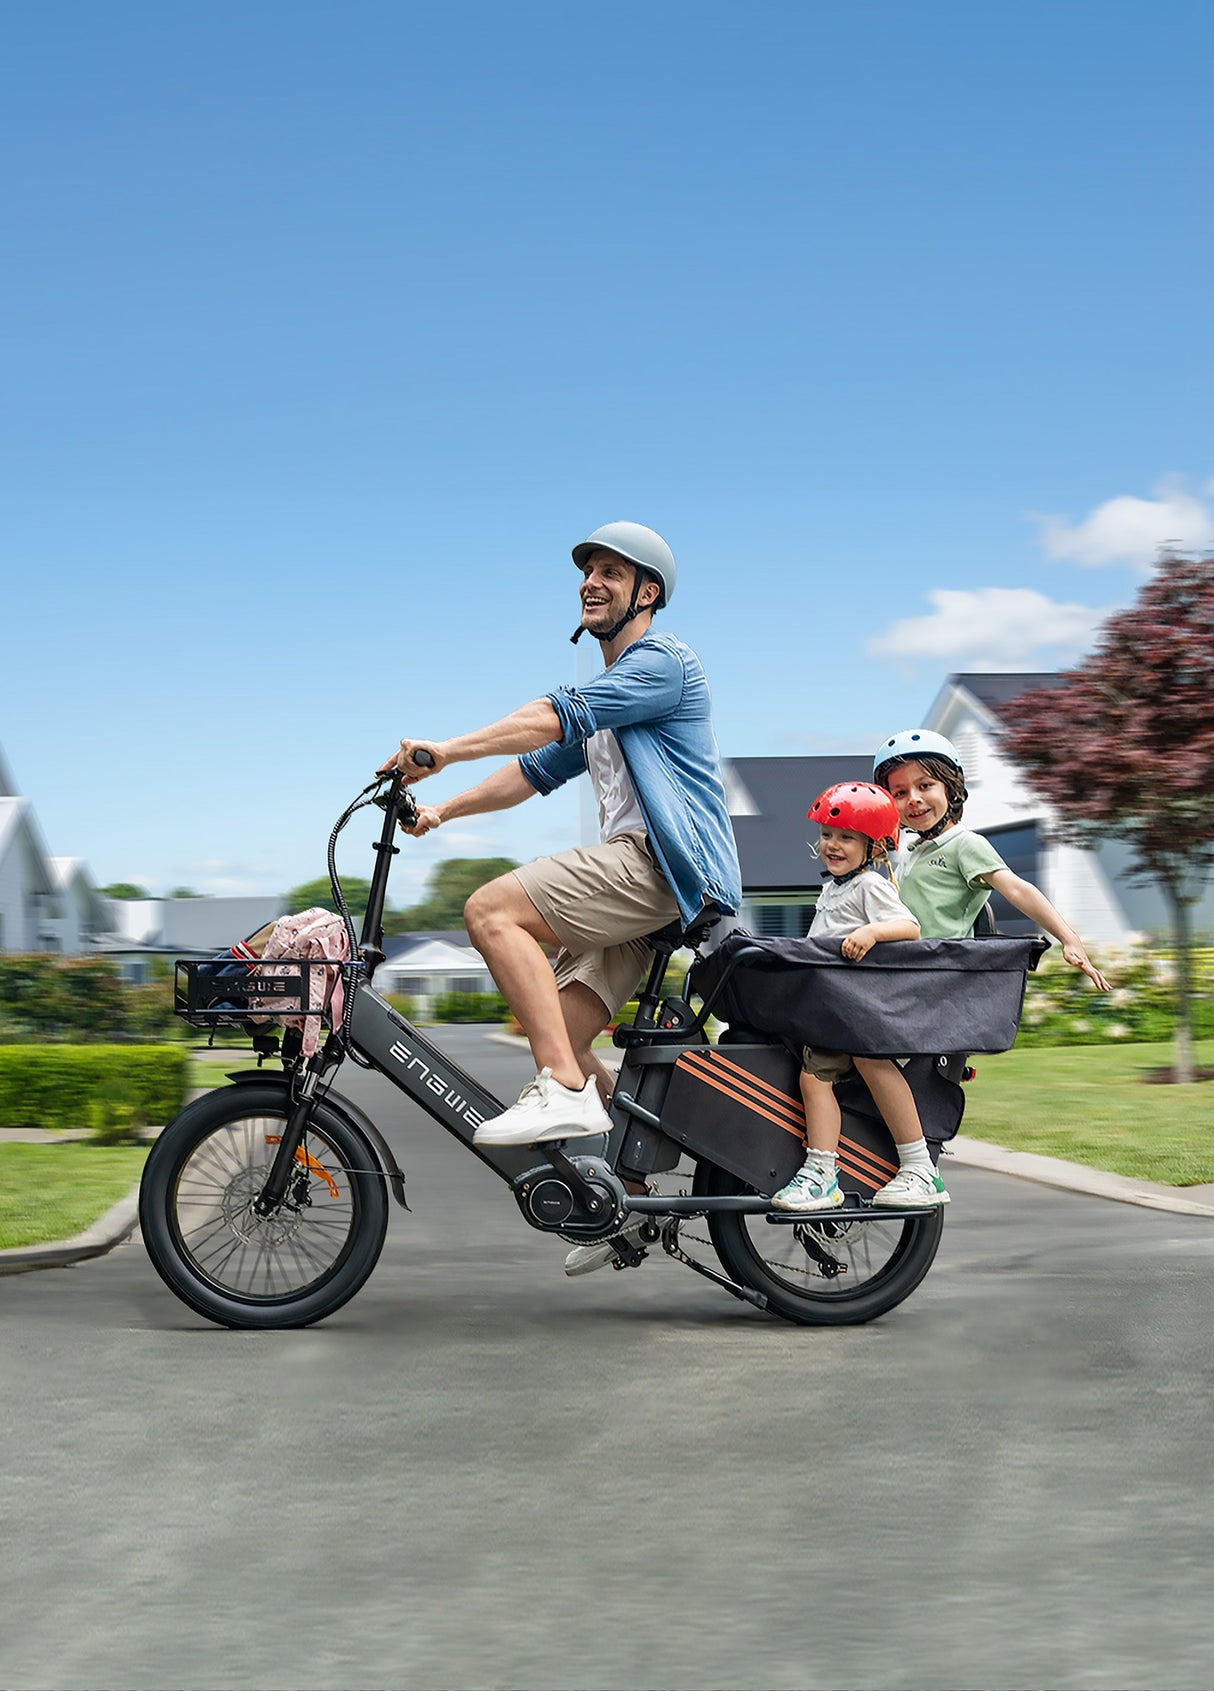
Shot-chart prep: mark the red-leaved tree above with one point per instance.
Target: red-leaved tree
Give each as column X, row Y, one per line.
column 1125, row 747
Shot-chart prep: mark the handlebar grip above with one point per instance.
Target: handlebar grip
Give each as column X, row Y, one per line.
column 422, row 758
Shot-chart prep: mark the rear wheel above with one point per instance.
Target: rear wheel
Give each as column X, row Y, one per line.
column 240, row 1269
column 825, row 1271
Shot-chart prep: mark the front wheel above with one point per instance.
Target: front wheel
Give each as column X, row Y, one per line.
column 825, row 1271
column 240, row 1269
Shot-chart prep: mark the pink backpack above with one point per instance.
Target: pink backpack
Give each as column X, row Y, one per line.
column 311, row 936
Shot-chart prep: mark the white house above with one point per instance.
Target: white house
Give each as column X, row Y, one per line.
column 1091, row 888
column 80, row 915
column 27, row 884
column 769, row 796
column 424, row 966
column 141, row 929
column 51, row 904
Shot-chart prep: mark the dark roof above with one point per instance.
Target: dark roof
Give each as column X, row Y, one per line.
column 996, row 691
column 773, row 847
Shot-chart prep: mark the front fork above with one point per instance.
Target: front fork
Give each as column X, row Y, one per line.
column 303, row 1095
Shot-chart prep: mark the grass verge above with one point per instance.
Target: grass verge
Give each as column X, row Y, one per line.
column 57, row 1190
column 1090, row 1104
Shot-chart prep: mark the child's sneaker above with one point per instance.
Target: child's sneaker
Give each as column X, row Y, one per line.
column 813, row 1187
column 912, row 1189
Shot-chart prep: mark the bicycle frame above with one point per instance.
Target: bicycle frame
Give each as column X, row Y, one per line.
column 759, row 1137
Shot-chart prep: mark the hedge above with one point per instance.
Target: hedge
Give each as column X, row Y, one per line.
column 98, row 1087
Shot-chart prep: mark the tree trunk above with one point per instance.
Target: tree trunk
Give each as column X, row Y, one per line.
column 1182, row 1061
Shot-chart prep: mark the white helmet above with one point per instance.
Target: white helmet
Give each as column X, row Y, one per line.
column 640, row 545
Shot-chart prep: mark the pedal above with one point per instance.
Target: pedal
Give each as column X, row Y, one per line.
column 626, row 1253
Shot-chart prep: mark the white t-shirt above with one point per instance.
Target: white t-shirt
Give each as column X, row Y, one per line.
column 619, row 807
column 844, row 907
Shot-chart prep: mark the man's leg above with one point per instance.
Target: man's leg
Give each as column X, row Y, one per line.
column 585, row 1017
column 509, row 932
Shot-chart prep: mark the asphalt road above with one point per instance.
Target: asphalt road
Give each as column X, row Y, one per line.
column 480, row 1473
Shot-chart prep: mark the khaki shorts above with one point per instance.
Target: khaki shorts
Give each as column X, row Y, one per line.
column 600, row 902
column 829, row 1066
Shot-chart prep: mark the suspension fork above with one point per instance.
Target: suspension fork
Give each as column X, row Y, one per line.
column 270, row 1198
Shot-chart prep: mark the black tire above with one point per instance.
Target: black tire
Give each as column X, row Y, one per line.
column 294, row 1267
column 882, row 1261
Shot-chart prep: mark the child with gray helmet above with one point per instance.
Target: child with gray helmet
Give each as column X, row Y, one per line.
column 949, row 872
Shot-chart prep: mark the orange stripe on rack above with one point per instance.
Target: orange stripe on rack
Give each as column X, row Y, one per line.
column 775, row 1106
column 746, row 1083
column 867, row 1163
column 707, row 1077
column 747, row 1088
column 772, row 1093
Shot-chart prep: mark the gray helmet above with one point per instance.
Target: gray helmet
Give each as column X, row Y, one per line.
column 640, row 545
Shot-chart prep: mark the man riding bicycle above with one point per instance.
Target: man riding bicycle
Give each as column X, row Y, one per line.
column 643, row 731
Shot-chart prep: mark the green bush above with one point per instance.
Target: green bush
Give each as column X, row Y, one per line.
column 470, row 1007
column 113, row 1090
column 1062, row 1007
column 81, row 999
column 404, row 1005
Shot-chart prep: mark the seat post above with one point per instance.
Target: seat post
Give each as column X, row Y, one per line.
column 650, row 997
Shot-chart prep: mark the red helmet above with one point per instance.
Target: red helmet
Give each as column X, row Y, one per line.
column 860, row 806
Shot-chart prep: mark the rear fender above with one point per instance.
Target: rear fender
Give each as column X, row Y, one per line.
column 356, row 1118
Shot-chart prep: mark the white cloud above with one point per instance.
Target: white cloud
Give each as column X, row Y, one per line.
column 991, row 628
column 1128, row 530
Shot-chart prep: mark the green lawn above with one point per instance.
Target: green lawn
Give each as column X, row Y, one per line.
column 1089, row 1104
column 53, row 1191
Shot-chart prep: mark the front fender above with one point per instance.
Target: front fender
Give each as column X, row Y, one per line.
column 355, row 1118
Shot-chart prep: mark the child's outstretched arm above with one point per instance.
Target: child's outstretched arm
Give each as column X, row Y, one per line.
column 1033, row 903
column 860, row 942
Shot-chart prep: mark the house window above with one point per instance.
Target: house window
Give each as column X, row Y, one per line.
column 1020, row 848
column 780, row 919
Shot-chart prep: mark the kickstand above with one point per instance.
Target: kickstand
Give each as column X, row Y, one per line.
column 670, row 1244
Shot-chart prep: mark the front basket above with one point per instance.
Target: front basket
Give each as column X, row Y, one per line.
column 227, row 994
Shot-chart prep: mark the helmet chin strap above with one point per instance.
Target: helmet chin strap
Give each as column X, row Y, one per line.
column 946, row 821
column 633, row 610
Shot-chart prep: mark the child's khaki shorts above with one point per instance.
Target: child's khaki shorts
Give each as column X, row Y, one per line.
column 600, row 901
column 829, row 1066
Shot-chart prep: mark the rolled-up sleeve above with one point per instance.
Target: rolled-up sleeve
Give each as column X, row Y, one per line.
column 643, row 685
column 553, row 765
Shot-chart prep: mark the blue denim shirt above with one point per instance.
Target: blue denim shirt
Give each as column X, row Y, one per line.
column 655, row 700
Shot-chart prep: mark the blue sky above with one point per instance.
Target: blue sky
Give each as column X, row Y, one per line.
column 328, row 329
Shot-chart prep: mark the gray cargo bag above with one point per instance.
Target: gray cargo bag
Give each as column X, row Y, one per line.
column 928, row 997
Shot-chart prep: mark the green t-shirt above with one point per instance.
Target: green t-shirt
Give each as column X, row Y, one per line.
column 941, row 882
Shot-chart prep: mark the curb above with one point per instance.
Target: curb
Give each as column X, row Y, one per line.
column 1074, row 1177
column 115, row 1226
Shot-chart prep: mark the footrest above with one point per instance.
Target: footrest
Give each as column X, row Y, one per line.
column 848, row 1212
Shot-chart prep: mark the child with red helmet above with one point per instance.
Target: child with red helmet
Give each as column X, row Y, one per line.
column 858, row 829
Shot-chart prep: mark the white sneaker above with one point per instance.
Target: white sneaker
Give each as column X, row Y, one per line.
column 584, row 1259
column 912, row 1189
column 547, row 1110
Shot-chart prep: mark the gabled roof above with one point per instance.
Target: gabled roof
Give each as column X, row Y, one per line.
column 768, row 799
column 434, row 954
column 400, row 947
column 996, row 690
column 17, row 818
